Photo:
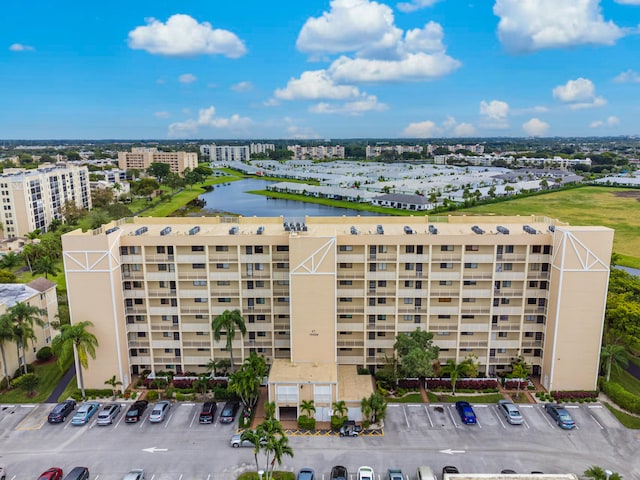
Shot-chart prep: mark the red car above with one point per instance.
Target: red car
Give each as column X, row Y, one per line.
column 51, row 474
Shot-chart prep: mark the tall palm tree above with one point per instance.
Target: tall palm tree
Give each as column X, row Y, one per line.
column 279, row 447
column 227, row 322
column 75, row 340
column 45, row 266
column 455, row 371
column 24, row 316
column 6, row 335
column 308, row 407
column 616, row 356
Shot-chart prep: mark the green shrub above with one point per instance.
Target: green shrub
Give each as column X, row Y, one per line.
column 44, row 354
column 306, row 423
column 152, row 395
column 621, row 397
column 221, row 393
column 134, row 395
column 19, row 371
column 363, row 371
column 337, row 422
column 169, row 392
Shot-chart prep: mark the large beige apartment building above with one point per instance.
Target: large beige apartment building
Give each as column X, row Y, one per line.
column 31, row 199
column 323, row 297
column 39, row 293
column 141, row 158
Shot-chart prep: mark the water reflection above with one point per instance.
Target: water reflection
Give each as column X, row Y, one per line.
column 232, row 198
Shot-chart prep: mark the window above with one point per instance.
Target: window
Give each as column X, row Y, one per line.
column 536, row 248
column 543, row 285
column 282, row 248
column 223, row 283
column 382, row 318
column 471, row 248
column 507, row 267
column 444, row 317
column 446, row 248
column 224, row 300
column 222, row 248
column 260, row 301
column 502, row 334
column 124, row 250
column 199, row 283
column 382, row 266
column 382, row 301
column 531, row 301
column 345, row 248
column 348, row 299
column 508, row 249
column 346, row 282
column 505, row 301
column 444, row 300
column 529, row 318
column 160, row 249
column 468, row 282
column 466, row 333
column 372, row 302
column 382, row 283
column 197, row 248
column 346, row 265
column 382, row 249
column 445, row 283
column 197, row 266
column 409, row 266
column 222, row 266
column 258, row 249
column 546, row 249
column 470, row 265
column 446, row 265
column 468, row 300
column 533, row 284
column 408, row 284
column 409, row 249
column 506, row 283
column 408, row 301
column 200, row 300
column 468, row 317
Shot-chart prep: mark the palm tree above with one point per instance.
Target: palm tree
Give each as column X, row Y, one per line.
column 113, row 383
column 227, row 321
column 340, row 408
column 45, row 266
column 279, row 447
column 455, row 371
column 23, row 316
column 598, row 473
column 10, row 260
column 77, row 341
column 256, row 440
column 6, row 335
column 616, row 356
column 308, row 407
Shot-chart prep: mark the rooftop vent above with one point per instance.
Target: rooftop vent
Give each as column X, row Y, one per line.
column 141, row 231
column 552, row 228
column 433, row 230
column 477, row 229
column 194, row 230
column 354, row 230
column 233, row 230
column 503, row 230
column 529, row 229
column 111, row 230
column 165, row 231
column 260, row 230
column 380, row 230
column 408, row 230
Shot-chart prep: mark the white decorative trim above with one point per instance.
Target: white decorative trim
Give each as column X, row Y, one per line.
column 589, row 261
column 315, row 260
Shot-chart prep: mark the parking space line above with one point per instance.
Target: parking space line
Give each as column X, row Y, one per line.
column 209, row 477
column 153, row 476
column 97, row 477
column 404, row 412
column 452, row 418
column 180, row 478
column 122, row 415
column 495, row 410
column 597, row 422
column 428, row 416
column 545, row 416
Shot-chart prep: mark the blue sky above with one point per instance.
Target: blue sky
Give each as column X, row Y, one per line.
column 316, row 69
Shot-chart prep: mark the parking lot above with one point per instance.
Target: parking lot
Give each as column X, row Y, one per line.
column 180, row 448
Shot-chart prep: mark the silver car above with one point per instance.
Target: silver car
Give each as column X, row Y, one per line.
column 108, row 414
column 135, row 474
column 159, row 411
column 510, row 412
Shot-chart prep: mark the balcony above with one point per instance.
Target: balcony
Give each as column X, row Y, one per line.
column 509, row 275
column 134, row 310
column 450, row 344
column 435, row 292
column 413, row 258
column 140, row 359
column 165, row 327
column 134, row 294
column 160, row 276
column 445, row 257
column 169, row 360
column 193, row 275
column 350, row 359
column 194, row 292
column 512, row 257
column 350, row 343
column 478, row 257
column 196, row 327
column 444, row 275
column 196, row 360
column 507, row 293
column 165, row 343
column 476, row 293
column 137, row 327
column 443, row 310
column 165, row 310
column 162, row 293
column 505, row 327
column 382, row 310
column 537, row 275
column 479, row 310
column 500, row 343
column 192, row 258
column 413, row 274
column 195, row 344
column 532, row 344
column 350, row 257
column 195, row 310
column 473, row 274
column 476, row 344
column 502, row 310
column 138, row 344
column 382, row 275
column 255, row 258
column 475, row 327
column 159, row 258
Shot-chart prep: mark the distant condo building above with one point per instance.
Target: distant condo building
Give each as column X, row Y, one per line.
column 141, row 158
column 255, row 148
column 373, row 151
column 226, row 153
column 32, row 199
column 317, row 152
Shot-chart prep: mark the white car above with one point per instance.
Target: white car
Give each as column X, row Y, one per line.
column 135, row 474
column 365, row 473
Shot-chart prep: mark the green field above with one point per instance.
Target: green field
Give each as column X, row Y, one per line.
column 617, row 208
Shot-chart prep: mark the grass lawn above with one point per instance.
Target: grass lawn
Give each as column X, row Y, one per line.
column 625, row 419
column 482, row 398
column 58, row 279
column 71, row 387
column 409, row 398
column 583, row 206
column 626, row 380
column 49, row 375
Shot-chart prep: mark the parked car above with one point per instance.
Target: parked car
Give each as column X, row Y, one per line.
column 338, row 472
column 135, row 474
column 3, row 474
column 508, row 470
column 350, row 429
column 159, row 411
column 51, row 474
column 425, row 473
column 208, row 412
column 560, row 415
column 137, row 408
column 108, row 413
column 229, row 412
column 510, row 412
column 306, row 474
column 395, row 474
column 449, row 469
column 84, row 413
column 467, row 415
column 78, row 473
column 236, row 441
column 365, row 473
column 61, row 411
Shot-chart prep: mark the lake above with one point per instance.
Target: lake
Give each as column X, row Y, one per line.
column 232, row 198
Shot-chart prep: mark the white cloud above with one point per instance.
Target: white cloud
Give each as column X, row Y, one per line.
column 20, row 47
column 494, row 114
column 414, row 5
column 296, row 131
column 530, row 25
column 579, row 93
column 609, row 122
column 628, row 2
column 535, row 127
column 271, row 102
column 242, row 87
column 207, row 118
column 464, row 130
column 628, row 76
column 315, row 85
column 367, row 103
column 183, row 36
column 425, row 129
column 187, row 78
column 162, row 114
column 414, row 67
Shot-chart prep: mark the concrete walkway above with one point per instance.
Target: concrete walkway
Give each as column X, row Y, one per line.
column 62, row 385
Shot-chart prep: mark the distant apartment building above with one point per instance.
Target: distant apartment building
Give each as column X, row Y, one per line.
column 373, row 151
column 39, row 293
column 324, row 297
column 317, row 152
column 255, row 148
column 141, row 158
column 31, row 199
column 226, row 153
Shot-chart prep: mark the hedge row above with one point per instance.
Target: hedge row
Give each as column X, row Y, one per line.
column 513, row 384
column 445, row 383
column 574, row 395
column 621, row 397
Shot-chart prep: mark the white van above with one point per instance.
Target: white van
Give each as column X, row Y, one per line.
column 425, row 473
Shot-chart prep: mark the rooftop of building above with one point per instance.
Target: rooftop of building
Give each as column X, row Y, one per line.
column 285, row 371
column 331, row 226
column 12, row 293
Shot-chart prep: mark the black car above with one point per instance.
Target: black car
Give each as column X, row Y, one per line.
column 61, row 411
column 208, row 412
column 339, row 473
column 229, row 411
column 449, row 469
column 134, row 414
